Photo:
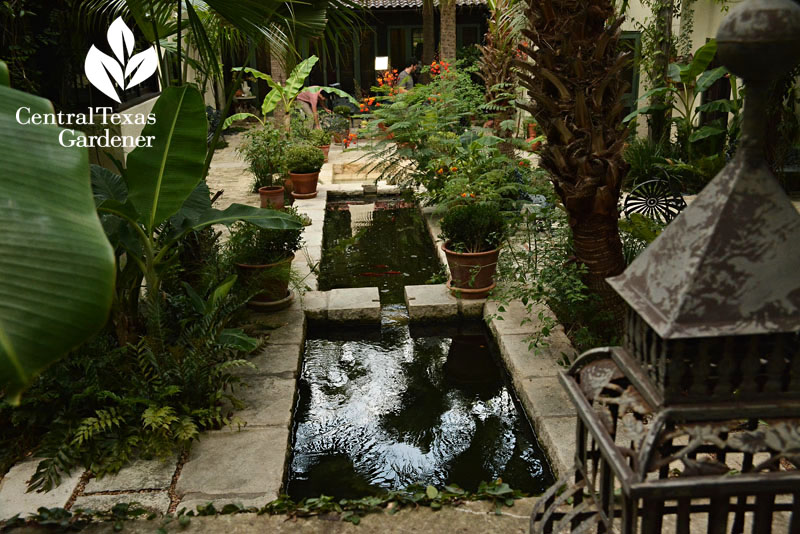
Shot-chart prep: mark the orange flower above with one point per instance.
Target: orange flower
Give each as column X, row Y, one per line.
column 378, row 105
column 440, row 171
column 453, row 169
column 463, row 195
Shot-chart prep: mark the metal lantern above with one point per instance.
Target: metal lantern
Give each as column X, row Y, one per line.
column 693, row 425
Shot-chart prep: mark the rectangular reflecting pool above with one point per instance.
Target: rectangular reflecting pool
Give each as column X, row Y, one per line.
column 384, row 408
column 381, row 243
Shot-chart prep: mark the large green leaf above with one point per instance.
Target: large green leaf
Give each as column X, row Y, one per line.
column 700, row 62
column 56, row 265
column 708, row 78
column 273, row 97
column 264, row 218
column 723, row 106
column 704, row 132
column 294, row 83
column 161, row 176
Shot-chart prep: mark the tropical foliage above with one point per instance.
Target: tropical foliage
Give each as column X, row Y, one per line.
column 56, row 276
column 573, row 77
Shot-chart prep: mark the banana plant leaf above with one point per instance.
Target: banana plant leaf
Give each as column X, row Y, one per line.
column 56, row 265
column 160, row 177
column 704, row 132
column 708, row 78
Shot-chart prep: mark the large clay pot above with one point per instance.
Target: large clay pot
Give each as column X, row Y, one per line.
column 272, row 278
column 471, row 273
column 304, row 185
column 325, row 149
column 271, row 195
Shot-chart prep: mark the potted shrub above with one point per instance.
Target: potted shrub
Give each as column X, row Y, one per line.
column 472, row 234
column 263, row 150
column 322, row 140
column 303, row 161
column 263, row 258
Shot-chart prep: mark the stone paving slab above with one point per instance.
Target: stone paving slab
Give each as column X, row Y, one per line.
column 14, row 499
column 471, row 308
column 236, row 464
column 288, row 334
column 268, row 401
column 523, row 362
column 141, row 474
column 469, row 518
column 315, row 304
column 157, row 502
column 430, row 303
column 361, row 304
column 276, row 360
column 557, row 436
column 545, row 397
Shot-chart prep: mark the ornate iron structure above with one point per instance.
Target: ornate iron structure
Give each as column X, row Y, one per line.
column 693, row 425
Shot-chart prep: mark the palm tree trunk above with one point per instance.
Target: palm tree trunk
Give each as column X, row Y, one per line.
column 447, row 30
column 278, row 73
column 659, row 122
column 598, row 247
column 428, row 35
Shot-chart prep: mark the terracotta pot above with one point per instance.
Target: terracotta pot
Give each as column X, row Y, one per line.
column 304, row 185
column 533, row 146
column 531, row 130
column 471, row 273
column 271, row 278
column 271, row 195
column 325, row 149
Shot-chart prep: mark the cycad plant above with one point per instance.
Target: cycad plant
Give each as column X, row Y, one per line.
column 496, row 65
column 573, row 78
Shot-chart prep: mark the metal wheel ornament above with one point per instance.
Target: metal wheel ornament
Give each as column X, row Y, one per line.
column 655, row 199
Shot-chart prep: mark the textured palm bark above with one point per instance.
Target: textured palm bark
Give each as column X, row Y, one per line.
column 428, row 36
column 573, row 78
column 278, row 72
column 447, row 30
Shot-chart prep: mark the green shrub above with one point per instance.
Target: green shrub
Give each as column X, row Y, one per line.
column 304, row 158
column 331, row 122
column 320, row 138
column 263, row 150
column 344, row 111
column 252, row 245
column 473, row 227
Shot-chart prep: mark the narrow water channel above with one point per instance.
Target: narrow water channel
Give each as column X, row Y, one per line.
column 383, row 408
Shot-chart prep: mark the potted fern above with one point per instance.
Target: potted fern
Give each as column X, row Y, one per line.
column 304, row 162
column 472, row 234
column 263, row 151
column 263, row 258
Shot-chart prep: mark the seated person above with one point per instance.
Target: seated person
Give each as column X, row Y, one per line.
column 405, row 80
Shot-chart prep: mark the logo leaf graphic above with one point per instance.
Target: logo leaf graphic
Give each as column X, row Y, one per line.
column 142, row 66
column 120, row 38
column 101, row 68
column 98, row 66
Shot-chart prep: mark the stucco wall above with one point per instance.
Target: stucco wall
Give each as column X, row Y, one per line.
column 708, row 15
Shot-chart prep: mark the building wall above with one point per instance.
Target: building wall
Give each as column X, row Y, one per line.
column 708, row 15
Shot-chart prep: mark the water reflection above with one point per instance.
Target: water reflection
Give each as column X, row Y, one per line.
column 382, row 410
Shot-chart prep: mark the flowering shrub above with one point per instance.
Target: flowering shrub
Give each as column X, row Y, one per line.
column 438, row 67
column 350, row 139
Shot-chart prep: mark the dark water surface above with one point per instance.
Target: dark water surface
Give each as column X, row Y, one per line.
column 393, row 251
column 384, row 408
